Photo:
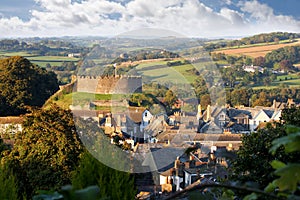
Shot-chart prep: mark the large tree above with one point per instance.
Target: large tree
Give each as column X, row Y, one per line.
column 23, row 84
column 254, row 157
column 113, row 183
column 45, row 152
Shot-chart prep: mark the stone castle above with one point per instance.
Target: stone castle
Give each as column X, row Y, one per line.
column 116, row 84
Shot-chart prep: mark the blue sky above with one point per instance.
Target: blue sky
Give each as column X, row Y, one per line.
column 194, row 18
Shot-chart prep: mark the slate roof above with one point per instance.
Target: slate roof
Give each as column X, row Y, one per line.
column 162, row 159
column 269, row 113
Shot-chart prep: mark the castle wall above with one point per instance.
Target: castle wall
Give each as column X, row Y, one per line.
column 109, row 84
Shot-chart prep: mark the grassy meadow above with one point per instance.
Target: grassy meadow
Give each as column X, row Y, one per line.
column 41, row 60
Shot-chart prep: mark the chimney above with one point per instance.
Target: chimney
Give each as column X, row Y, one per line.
column 115, row 68
column 274, row 104
column 208, row 113
column 199, row 114
column 177, row 163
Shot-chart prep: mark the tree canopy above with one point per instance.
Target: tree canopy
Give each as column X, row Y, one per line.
column 254, row 161
column 45, row 152
column 112, row 183
column 23, row 84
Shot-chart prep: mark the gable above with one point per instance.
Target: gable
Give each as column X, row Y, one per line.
column 261, row 116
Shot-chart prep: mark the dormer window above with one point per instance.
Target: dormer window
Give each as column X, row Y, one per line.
column 222, row 117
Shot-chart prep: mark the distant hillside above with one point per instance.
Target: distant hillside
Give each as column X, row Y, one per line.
column 256, row 50
column 270, row 38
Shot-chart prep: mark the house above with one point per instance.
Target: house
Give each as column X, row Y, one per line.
column 217, row 120
column 145, row 119
column 262, row 116
column 11, row 125
column 157, row 125
column 252, row 68
column 186, row 172
column 74, row 55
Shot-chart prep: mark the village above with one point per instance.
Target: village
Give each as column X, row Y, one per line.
column 174, row 150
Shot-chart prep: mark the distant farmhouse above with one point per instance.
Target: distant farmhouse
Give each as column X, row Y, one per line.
column 252, row 68
column 109, row 84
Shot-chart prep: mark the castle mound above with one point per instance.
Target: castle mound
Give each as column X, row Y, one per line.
column 109, row 84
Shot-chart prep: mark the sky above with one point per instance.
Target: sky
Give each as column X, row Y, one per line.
column 190, row 18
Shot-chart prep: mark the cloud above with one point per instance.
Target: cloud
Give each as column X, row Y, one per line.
column 263, row 18
column 187, row 17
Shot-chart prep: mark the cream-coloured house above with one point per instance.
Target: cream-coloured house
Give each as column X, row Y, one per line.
column 11, row 125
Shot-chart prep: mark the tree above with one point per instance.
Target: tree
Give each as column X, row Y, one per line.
column 170, row 99
column 285, row 65
column 239, row 97
column 254, row 158
column 46, row 151
column 259, row 61
column 8, row 186
column 262, row 100
column 199, row 85
column 205, row 100
column 114, row 184
column 24, row 84
column 248, row 61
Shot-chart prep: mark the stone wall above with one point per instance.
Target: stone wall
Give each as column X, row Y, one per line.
column 109, row 84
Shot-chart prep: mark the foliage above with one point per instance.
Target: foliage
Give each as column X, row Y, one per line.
column 170, row 99
column 275, row 149
column 8, row 186
column 68, row 193
column 24, row 84
column 113, row 183
column 144, row 100
column 200, row 86
column 291, row 116
column 290, row 53
column 45, row 152
column 256, row 39
column 255, row 152
column 205, row 100
column 289, row 173
column 240, row 97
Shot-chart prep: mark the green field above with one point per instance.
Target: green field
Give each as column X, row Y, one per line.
column 41, row 60
column 21, row 53
column 160, row 72
column 52, row 60
column 292, row 81
column 83, row 98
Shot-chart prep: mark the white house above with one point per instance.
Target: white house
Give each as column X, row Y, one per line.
column 252, row 68
column 146, row 119
column 11, row 124
column 261, row 116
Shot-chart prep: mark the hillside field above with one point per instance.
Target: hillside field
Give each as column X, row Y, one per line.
column 40, row 60
column 254, row 50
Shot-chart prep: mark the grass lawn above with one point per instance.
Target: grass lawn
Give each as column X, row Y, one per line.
column 289, row 76
column 83, row 98
column 295, row 82
column 52, row 60
column 159, row 72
